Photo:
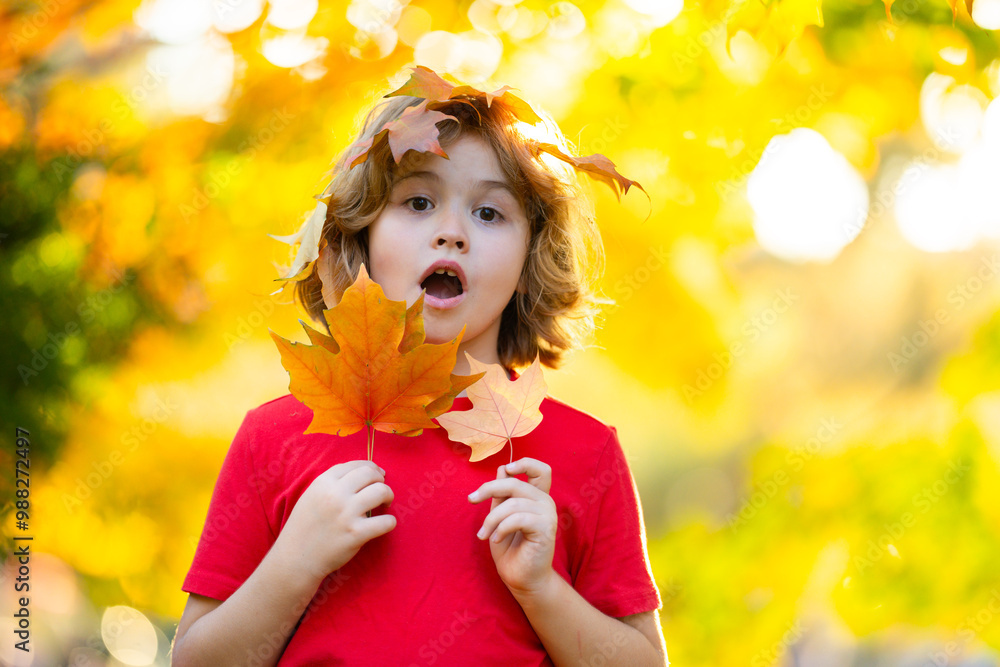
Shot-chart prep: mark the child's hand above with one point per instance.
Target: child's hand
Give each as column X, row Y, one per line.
column 328, row 525
column 521, row 525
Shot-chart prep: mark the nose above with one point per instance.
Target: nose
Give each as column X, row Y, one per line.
column 451, row 231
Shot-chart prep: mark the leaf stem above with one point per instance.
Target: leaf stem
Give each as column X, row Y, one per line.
column 511, row 443
column 371, row 452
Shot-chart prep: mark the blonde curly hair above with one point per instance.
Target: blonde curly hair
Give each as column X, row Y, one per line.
column 556, row 311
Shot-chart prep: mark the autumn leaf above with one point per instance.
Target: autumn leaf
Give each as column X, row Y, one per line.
column 888, row 8
column 501, row 409
column 597, row 166
column 308, row 238
column 374, row 371
column 425, row 82
column 954, row 8
column 416, row 129
column 775, row 24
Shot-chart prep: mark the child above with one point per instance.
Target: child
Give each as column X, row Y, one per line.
column 290, row 568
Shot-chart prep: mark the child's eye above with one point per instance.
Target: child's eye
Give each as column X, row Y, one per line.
column 491, row 215
column 419, row 203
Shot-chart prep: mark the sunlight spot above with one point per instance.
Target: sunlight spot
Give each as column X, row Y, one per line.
column 292, row 14
column 174, row 21
column 950, row 207
column 470, row 56
column 661, row 12
column 566, row 21
column 234, row 15
column 129, row 635
column 806, row 198
column 374, row 16
column 954, row 55
column 986, row 14
column 951, row 114
column 199, row 75
column 293, row 49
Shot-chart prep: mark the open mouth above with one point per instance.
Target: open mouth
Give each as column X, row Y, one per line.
column 442, row 284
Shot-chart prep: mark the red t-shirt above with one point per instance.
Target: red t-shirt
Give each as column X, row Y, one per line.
column 428, row 591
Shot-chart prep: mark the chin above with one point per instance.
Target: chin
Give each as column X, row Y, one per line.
column 439, row 334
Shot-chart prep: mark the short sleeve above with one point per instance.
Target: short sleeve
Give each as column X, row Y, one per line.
column 237, row 534
column 614, row 573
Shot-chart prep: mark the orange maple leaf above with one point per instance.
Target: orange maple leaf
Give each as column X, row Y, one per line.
column 415, row 129
column 598, row 166
column 425, row 82
column 375, row 371
column 501, row 409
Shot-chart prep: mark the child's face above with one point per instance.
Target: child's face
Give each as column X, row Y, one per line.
column 457, row 211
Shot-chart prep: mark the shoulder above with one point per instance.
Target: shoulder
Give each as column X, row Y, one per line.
column 274, row 422
column 568, row 417
column 280, row 410
column 576, row 433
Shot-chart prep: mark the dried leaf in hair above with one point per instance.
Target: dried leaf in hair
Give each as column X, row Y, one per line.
column 598, row 166
column 416, row 129
column 426, row 83
column 308, row 239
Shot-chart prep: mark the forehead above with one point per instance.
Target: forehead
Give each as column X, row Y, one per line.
column 469, row 154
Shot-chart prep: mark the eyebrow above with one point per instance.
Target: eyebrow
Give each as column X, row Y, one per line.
column 431, row 176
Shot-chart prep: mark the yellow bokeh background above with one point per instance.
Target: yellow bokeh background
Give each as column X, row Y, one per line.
column 802, row 360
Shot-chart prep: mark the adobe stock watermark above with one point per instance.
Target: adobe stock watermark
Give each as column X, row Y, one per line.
column 608, row 650
column 611, row 130
column 592, row 490
column 131, row 439
column 923, row 501
column 817, row 99
column 30, row 25
column 796, row 460
column 245, row 326
column 772, row 654
column 886, row 198
column 230, row 511
column 695, row 47
column 434, row 649
column 432, row 482
column 87, row 312
column 967, row 630
column 273, row 643
column 218, row 179
column 911, row 345
column 94, row 139
column 634, row 280
column 751, row 331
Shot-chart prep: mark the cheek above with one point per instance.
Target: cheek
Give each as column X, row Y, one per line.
column 388, row 253
column 507, row 262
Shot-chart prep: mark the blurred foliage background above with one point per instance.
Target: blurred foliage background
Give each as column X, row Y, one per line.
column 803, row 360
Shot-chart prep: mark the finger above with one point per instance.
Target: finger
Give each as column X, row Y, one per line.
column 501, row 474
column 509, row 507
column 372, row 496
column 510, row 487
column 532, row 525
column 360, row 477
column 372, row 527
column 342, row 469
column 539, row 473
